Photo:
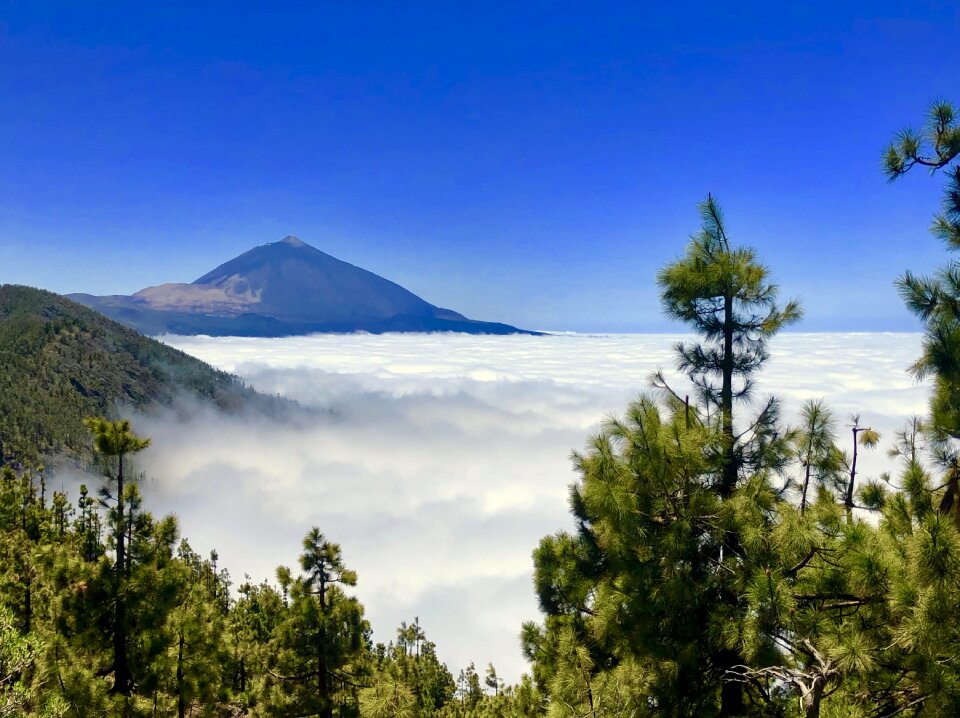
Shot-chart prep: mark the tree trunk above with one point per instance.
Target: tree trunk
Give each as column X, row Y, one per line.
column 806, row 483
column 731, row 692
column 848, row 500
column 27, row 605
column 813, row 697
column 949, row 501
column 122, row 681
column 181, row 699
column 326, row 704
column 729, row 480
column 323, row 675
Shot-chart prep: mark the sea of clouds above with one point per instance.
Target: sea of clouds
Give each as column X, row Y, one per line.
column 439, row 461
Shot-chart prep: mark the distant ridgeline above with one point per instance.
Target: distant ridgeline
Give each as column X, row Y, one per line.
column 282, row 289
column 62, row 362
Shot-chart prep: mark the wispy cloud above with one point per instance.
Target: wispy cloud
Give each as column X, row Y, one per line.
column 443, row 459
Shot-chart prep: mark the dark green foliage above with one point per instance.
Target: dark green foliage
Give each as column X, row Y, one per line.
column 697, row 584
column 629, row 598
column 833, row 615
column 407, row 678
column 63, row 362
column 114, row 442
column 814, row 444
column 316, row 657
column 724, row 294
column 103, row 613
column 935, row 300
column 194, row 670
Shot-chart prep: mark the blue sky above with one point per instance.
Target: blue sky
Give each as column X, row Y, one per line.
column 533, row 163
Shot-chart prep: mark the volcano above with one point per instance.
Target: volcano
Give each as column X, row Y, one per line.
column 281, row 289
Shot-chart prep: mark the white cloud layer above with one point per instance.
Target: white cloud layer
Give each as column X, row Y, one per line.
column 443, row 459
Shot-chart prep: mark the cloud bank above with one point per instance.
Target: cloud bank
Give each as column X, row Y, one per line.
column 439, row 461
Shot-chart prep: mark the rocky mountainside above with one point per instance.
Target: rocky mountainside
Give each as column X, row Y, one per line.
column 279, row 289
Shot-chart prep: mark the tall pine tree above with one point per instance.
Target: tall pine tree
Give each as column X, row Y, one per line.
column 115, row 440
column 318, row 651
column 724, row 294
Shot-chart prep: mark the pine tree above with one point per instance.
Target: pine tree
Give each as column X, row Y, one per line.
column 16, row 658
column 492, row 681
column 413, row 659
column 725, row 295
column 636, row 589
column 319, row 648
column 936, row 299
column 254, row 619
column 469, row 692
column 196, row 658
column 816, row 449
column 116, row 440
column 88, row 591
column 863, row 436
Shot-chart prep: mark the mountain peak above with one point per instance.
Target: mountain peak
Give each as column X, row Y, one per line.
column 281, row 288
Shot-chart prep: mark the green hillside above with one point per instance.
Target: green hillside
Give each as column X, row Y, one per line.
column 61, row 362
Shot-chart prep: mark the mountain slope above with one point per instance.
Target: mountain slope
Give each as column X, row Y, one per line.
column 284, row 288
column 62, row 362
column 298, row 283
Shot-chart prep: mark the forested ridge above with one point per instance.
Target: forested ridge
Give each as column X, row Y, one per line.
column 62, row 362
column 722, row 563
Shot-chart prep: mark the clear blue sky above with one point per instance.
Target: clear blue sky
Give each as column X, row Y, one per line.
column 526, row 162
